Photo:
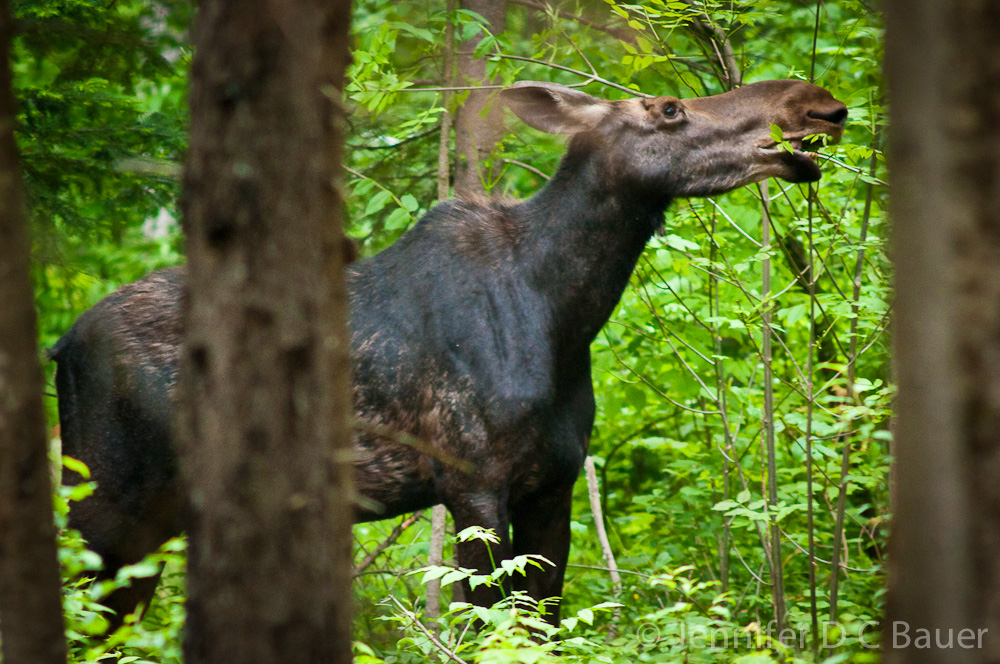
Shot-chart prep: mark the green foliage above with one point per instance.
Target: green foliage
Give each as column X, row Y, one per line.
column 678, row 371
column 101, row 121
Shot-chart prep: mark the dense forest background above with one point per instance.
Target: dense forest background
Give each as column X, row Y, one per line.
column 724, row 469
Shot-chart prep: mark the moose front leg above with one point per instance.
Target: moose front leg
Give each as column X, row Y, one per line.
column 541, row 526
column 486, row 510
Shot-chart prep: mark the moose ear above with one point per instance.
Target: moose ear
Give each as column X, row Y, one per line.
column 554, row 108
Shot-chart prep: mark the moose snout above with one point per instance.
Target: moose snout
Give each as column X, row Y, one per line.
column 835, row 113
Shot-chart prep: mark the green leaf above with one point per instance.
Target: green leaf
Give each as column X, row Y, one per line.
column 409, row 203
column 679, row 243
column 378, row 201
column 398, row 219
column 76, row 466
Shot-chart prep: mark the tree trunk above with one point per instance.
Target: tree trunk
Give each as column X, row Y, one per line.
column 945, row 543
column 265, row 391
column 476, row 134
column 31, row 619
column 973, row 134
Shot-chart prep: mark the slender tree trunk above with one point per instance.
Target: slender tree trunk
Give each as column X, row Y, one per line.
column 594, row 493
column 448, row 66
column 265, row 392
column 435, row 557
column 439, row 516
column 776, row 561
column 31, row 622
column 477, row 131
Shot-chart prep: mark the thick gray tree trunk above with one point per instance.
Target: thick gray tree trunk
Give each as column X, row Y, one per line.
column 265, row 392
column 944, row 167
column 31, row 622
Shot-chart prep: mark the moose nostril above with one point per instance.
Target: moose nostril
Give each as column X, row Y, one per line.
column 836, row 116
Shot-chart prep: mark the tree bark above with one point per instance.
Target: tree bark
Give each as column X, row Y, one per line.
column 435, row 558
column 972, row 86
column 31, row 622
column 945, row 542
column 265, row 392
column 477, row 131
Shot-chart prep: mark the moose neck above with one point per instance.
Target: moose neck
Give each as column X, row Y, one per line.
column 587, row 233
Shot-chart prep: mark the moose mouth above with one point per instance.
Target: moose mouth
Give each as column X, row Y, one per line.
column 800, row 160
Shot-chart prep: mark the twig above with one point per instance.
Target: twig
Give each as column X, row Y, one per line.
column 645, row 575
column 852, row 169
column 403, row 141
column 714, row 301
column 440, row 88
column 589, row 77
column 430, row 635
column 617, row 33
column 602, row 536
column 386, row 543
column 703, row 27
column 527, row 167
column 733, row 223
column 845, row 460
column 148, row 166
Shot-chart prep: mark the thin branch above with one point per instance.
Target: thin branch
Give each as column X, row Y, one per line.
column 705, row 29
column 623, row 35
column 430, row 635
column 845, row 460
column 403, row 141
column 853, row 169
column 527, row 167
column 589, row 77
column 440, row 88
column 862, row 570
column 733, row 223
column 148, row 166
column 594, row 492
column 386, row 543
column 714, row 301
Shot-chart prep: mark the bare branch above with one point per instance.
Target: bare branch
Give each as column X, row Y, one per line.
column 594, row 492
column 386, row 543
column 617, row 33
column 430, row 635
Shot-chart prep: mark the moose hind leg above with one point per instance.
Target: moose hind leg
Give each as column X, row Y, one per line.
column 124, row 601
column 541, row 526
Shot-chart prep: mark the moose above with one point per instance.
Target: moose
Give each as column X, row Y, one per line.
column 471, row 333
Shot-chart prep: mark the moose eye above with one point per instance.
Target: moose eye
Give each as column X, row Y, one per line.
column 670, row 111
